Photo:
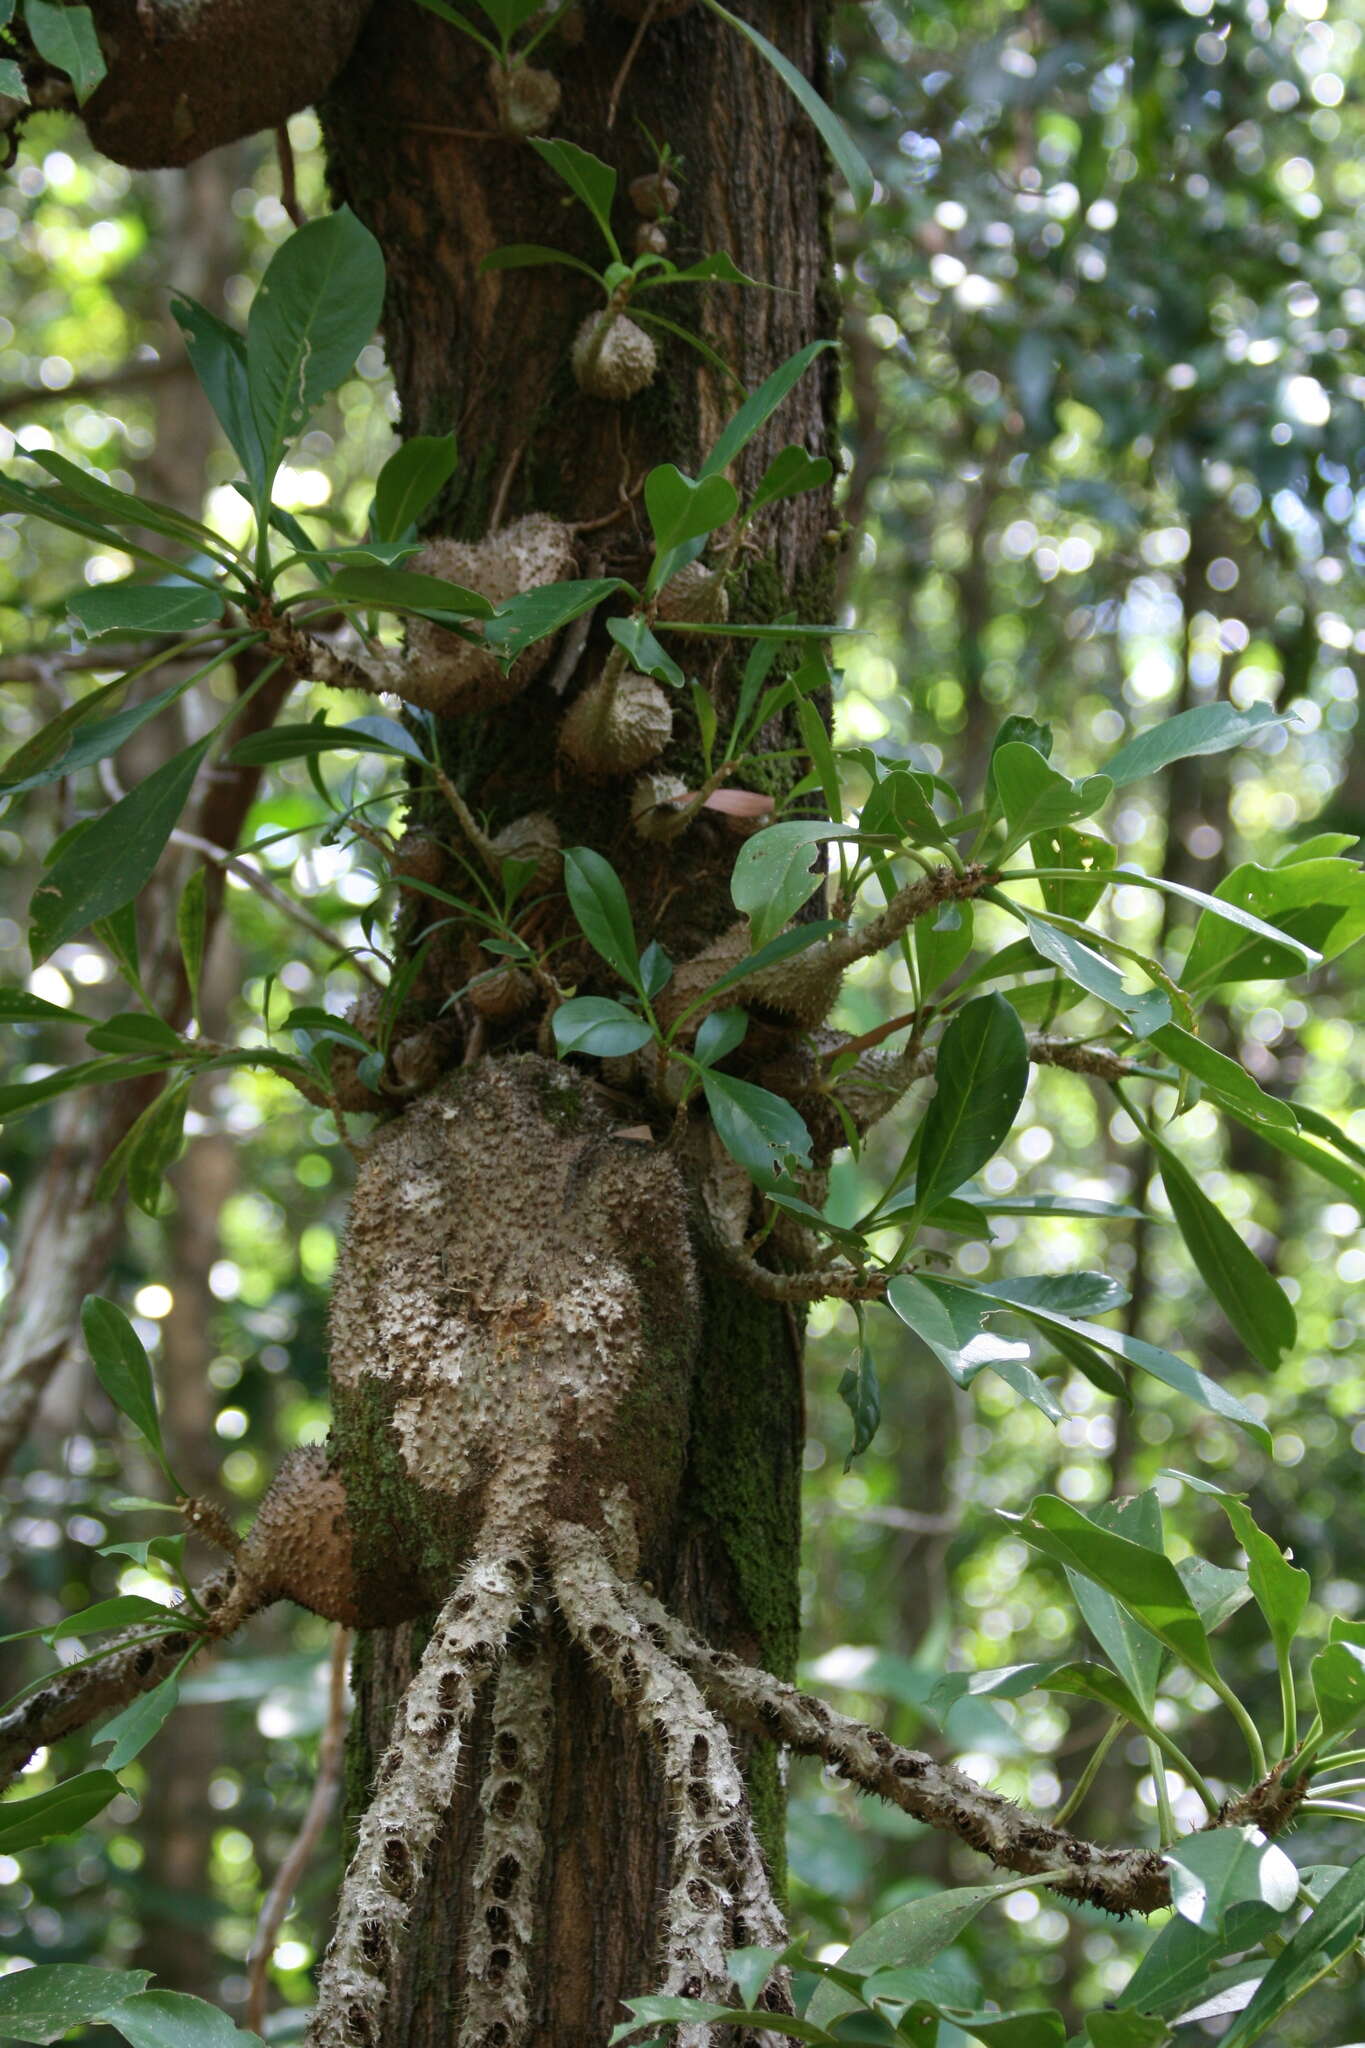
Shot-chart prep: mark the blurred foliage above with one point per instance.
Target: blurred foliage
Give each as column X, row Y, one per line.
column 1105, row 432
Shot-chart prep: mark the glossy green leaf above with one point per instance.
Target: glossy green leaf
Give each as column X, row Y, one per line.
column 1179, row 1961
column 217, row 354
column 661, row 2007
column 1062, row 846
column 1145, row 1010
column 1216, row 1591
column 784, row 947
column 125, row 1610
column 860, row 1391
column 776, row 873
column 413, row 476
column 790, row 472
column 316, row 307
column 981, row 1074
column 1066, row 1294
column 20, row 1097
column 910, row 1937
column 586, row 176
column 1125, row 2030
column 191, row 930
column 407, row 590
column 596, row 1025
column 761, row 1130
column 1331, row 1931
column 1208, row 729
column 1143, row 1581
column 851, row 162
column 133, row 1031
column 718, row 1036
column 537, row 614
column 172, row 2019
column 1163, row 1365
column 66, row 37
column 134, row 1728
column 62, row 1810
column 12, row 82
column 126, row 508
column 290, row 742
column 1225, row 1077
column 108, row 608
column 47, row 2000
column 953, row 1323
column 759, row 408
column 1225, row 1867
column 599, row 903
column 17, row 1006
column 114, row 856
column 1338, row 1675
column 158, row 1143
column 122, row 1367
column 1244, row 1289
column 1036, row 798
column 1318, row 904
column 644, row 652
column 681, row 510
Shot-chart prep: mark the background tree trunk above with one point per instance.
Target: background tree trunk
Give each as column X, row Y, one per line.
column 487, row 357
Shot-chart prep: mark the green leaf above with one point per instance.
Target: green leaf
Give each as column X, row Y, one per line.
column 44, row 2002
column 981, row 1074
column 718, row 1036
column 952, row 1322
column 158, row 1143
column 759, row 1129
column 789, row 474
column 1180, row 1960
column 836, row 138
column 644, row 652
column 1056, row 1205
column 533, row 255
column 681, row 510
column 599, row 903
column 133, row 1729
column 17, row 1006
column 407, row 590
column 1209, row 729
column 861, row 1394
column 96, row 739
column 172, row 2019
column 1089, row 971
column 1338, row 1675
column 1163, row 1365
column 1330, row 1932
column 317, row 306
column 1249, row 1297
column 508, row 16
column 1136, row 1655
column 1066, row 1294
column 217, row 355
column 374, row 735
column 144, row 608
column 133, row 1031
column 1318, row 905
column 191, row 930
column 537, row 614
column 123, row 1611
column 908, row 1938
column 1063, row 846
column 12, row 83
column 66, row 37
column 1227, row 1078
column 114, row 856
column 661, row 2007
column 596, row 1025
column 773, row 874
column 413, row 475
column 783, row 947
column 1035, row 798
column 1225, row 1867
column 22, row 1096
column 759, row 408
column 1143, row 1581
column 123, row 1368
column 943, row 942
column 126, row 508
column 61, row 1811
column 1125, row 2030
column 586, row 176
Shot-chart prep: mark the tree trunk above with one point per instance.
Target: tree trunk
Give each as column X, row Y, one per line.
column 414, row 151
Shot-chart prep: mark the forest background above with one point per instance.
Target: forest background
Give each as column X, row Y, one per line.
column 1104, row 426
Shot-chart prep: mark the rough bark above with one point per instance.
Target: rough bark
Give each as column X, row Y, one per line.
column 487, row 356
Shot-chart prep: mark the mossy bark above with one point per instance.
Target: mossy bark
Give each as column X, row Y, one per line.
column 409, row 128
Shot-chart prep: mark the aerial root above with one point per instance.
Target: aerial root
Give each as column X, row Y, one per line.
column 719, row 1897
column 507, row 1872
column 1119, row 1880
column 413, row 1790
